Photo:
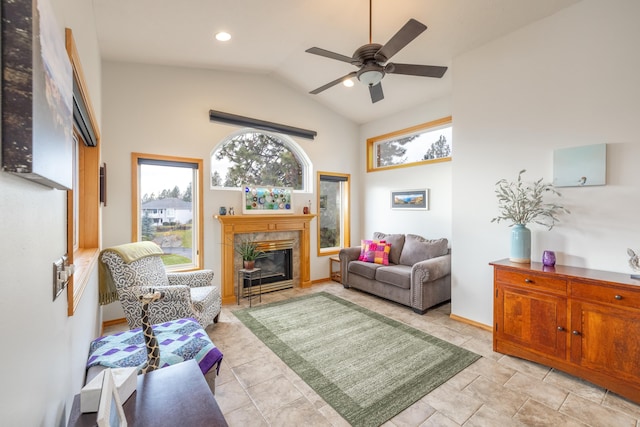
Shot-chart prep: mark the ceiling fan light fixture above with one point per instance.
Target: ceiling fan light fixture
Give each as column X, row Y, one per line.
column 370, row 75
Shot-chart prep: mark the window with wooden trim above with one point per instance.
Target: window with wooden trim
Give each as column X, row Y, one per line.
column 429, row 142
column 333, row 212
column 83, row 200
column 260, row 158
column 167, row 207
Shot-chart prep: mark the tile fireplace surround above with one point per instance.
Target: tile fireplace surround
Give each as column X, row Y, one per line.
column 230, row 225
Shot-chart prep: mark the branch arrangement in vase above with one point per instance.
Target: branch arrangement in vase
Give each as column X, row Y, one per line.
column 523, row 203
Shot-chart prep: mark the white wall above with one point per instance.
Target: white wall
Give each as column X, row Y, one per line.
column 376, row 187
column 568, row 80
column 165, row 110
column 43, row 351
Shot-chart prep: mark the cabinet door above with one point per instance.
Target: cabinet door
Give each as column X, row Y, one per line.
column 605, row 339
column 532, row 320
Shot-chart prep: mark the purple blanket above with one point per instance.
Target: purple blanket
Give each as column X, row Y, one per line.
column 179, row 340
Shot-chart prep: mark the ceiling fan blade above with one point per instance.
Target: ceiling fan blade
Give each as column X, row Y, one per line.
column 410, row 31
column 333, row 83
column 415, row 70
column 329, row 54
column 376, row 93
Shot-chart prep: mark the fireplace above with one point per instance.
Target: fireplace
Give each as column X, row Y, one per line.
column 276, row 267
column 264, row 227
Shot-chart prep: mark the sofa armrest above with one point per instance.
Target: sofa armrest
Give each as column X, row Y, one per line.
column 191, row 278
column 347, row 255
column 430, row 269
column 430, row 283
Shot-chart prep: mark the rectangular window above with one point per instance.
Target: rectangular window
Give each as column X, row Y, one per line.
column 75, row 203
column 83, row 200
column 426, row 143
column 167, row 207
column 333, row 212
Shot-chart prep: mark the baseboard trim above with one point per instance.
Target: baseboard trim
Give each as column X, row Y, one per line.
column 471, row 322
column 113, row 322
column 319, row 281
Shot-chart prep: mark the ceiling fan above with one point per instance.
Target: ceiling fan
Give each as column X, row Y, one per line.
column 371, row 59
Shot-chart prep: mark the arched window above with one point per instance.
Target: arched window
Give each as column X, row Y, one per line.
column 253, row 157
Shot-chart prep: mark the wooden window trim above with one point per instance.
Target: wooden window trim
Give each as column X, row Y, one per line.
column 346, row 212
column 85, row 257
column 135, row 197
column 371, row 164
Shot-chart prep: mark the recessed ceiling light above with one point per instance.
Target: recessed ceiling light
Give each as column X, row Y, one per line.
column 223, row 37
column 348, row 82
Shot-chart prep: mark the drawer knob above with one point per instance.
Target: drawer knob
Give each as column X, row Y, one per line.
column 618, row 297
column 560, row 328
column 576, row 332
column 528, row 281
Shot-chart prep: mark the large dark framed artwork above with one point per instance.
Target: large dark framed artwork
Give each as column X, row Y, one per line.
column 37, row 94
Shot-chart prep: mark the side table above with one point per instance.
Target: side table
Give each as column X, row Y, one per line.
column 249, row 276
column 335, row 275
column 176, row 395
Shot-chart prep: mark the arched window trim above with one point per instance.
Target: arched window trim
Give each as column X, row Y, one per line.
column 307, row 167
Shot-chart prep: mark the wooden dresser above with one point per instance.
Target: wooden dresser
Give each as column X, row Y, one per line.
column 580, row 321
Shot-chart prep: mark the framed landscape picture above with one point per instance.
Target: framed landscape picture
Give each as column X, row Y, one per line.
column 410, row 199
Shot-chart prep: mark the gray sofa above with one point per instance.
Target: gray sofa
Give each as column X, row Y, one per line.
column 418, row 274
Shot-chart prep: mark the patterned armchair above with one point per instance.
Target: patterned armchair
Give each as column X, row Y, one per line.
column 187, row 294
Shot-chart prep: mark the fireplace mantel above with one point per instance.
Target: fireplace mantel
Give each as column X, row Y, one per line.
column 230, row 225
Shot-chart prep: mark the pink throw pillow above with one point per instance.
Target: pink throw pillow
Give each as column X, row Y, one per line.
column 364, row 246
column 378, row 252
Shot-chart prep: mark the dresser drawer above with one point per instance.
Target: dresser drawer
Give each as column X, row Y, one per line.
column 532, row 281
column 606, row 294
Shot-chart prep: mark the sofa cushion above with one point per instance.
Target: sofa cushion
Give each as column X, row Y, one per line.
column 365, row 247
column 377, row 252
column 418, row 249
column 397, row 242
column 396, row 275
column 364, row 269
column 364, row 244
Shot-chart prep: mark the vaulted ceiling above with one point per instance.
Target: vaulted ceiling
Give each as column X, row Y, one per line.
column 271, row 36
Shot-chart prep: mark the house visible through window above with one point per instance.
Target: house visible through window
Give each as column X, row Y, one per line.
column 168, row 209
column 252, row 157
column 333, row 212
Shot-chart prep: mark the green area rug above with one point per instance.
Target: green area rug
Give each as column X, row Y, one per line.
column 366, row 366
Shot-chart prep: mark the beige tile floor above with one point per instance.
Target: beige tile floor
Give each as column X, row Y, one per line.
column 255, row 388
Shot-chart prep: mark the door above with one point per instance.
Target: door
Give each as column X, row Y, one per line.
column 604, row 338
column 534, row 321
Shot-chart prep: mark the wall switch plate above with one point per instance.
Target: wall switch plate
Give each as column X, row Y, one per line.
column 60, row 278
